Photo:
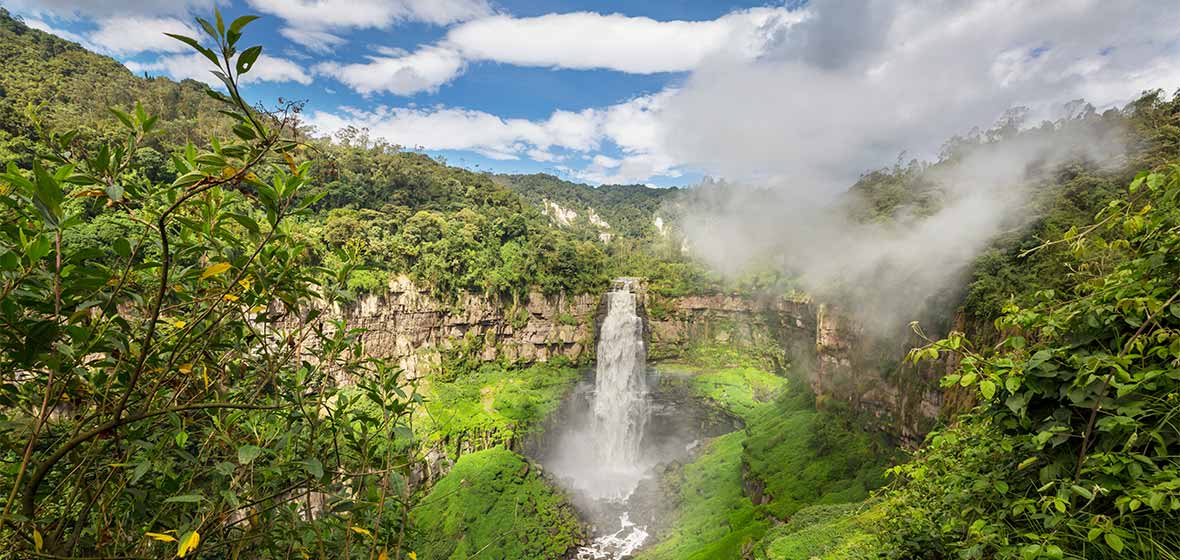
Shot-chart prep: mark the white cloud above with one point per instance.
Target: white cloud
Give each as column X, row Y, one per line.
column 403, row 74
column 125, row 35
column 587, row 40
column 857, row 82
column 322, row 14
column 585, row 132
column 581, row 40
column 67, row 35
column 71, row 9
column 196, row 67
column 313, row 40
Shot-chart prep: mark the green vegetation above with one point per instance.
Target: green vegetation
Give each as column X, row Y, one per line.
column 715, row 518
column 805, row 457
column 797, row 455
column 1074, row 445
column 629, row 210
column 825, row 532
column 153, row 402
column 494, row 402
column 493, row 505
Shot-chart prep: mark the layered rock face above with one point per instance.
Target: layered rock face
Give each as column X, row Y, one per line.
column 408, row 325
column 841, row 361
column 782, row 329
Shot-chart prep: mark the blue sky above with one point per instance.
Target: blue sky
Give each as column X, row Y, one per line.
column 806, row 94
column 508, row 91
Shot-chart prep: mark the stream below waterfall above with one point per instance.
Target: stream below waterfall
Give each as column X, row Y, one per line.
column 618, row 431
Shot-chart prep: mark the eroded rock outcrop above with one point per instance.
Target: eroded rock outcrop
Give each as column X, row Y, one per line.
column 408, row 325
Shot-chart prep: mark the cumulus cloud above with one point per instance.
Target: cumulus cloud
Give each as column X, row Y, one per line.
column 126, row 35
column 196, row 67
column 314, row 24
column 587, row 40
column 580, row 40
column 400, row 73
column 380, row 14
column 70, row 9
column 64, row 34
column 313, row 40
column 857, row 82
column 619, row 127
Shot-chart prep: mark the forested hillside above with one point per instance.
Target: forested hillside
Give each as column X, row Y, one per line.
column 399, row 212
column 179, row 376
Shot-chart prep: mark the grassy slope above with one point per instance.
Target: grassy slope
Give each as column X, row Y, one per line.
column 494, row 506
column 508, row 402
column 715, row 519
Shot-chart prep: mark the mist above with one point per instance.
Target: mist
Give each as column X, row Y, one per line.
column 860, row 86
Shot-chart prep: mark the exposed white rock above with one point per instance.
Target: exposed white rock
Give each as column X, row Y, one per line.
column 562, row 216
column 596, row 219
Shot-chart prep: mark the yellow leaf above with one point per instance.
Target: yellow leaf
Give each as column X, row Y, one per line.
column 179, row 324
column 291, row 163
column 162, row 537
column 188, row 543
column 229, row 297
column 186, row 368
column 413, row 555
column 258, row 309
column 38, row 541
column 215, row 270
column 244, row 283
column 228, row 172
column 383, row 556
column 205, row 376
column 362, row 531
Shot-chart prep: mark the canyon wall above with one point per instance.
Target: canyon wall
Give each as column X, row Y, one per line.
column 842, row 363
column 418, row 331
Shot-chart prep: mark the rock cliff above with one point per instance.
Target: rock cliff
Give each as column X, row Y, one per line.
column 408, row 325
column 840, row 360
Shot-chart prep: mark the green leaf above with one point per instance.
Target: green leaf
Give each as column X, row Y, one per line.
column 988, row 388
column 47, row 196
column 185, row 499
column 248, row 453
column 968, row 379
column 1113, row 541
column 1082, row 491
column 246, row 222
column 314, row 467
column 123, row 118
column 208, row 53
column 247, row 58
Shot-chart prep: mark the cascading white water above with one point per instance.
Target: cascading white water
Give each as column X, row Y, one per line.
column 600, row 454
column 621, row 408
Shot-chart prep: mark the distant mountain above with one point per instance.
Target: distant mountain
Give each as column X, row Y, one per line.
column 628, row 211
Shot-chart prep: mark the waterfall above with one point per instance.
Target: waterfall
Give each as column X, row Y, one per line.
column 620, row 386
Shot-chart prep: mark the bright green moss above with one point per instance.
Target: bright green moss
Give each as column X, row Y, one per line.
column 835, row 532
column 714, row 518
column 506, row 402
column 740, row 390
column 805, row 457
column 493, row 506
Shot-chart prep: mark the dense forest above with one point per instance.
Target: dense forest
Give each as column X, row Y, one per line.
column 175, row 380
